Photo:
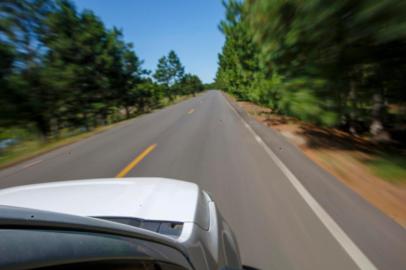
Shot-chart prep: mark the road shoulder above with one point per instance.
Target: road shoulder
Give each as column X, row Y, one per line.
column 367, row 226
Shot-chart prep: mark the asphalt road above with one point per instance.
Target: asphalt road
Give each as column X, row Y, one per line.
column 287, row 213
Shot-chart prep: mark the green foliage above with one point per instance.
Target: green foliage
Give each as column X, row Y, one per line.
column 190, row 84
column 210, row 86
column 146, row 95
column 176, row 70
column 169, row 73
column 389, row 166
column 238, row 61
column 336, row 63
column 63, row 69
column 162, row 72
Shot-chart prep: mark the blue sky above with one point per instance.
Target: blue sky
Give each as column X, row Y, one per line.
column 156, row 26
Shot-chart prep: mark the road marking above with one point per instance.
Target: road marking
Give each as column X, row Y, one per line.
column 191, row 111
column 258, row 138
column 359, row 258
column 32, row 164
column 137, row 160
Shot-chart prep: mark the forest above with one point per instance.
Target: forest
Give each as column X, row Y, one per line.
column 62, row 70
column 332, row 63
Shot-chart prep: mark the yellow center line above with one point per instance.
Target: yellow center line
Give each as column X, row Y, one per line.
column 137, row 160
column 191, row 111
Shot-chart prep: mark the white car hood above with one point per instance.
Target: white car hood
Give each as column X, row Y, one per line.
column 145, row 198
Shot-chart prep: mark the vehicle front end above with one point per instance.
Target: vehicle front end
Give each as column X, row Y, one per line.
column 174, row 214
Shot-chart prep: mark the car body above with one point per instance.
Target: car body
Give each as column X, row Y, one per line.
column 171, row 221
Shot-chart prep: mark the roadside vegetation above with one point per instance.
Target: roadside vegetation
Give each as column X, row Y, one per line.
column 335, row 64
column 389, row 166
column 329, row 75
column 63, row 73
column 366, row 167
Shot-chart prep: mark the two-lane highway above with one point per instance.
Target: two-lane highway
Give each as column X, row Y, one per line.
column 279, row 223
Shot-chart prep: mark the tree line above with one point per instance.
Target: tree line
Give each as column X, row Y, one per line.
column 334, row 63
column 63, row 69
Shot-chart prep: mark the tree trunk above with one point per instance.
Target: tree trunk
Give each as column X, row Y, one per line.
column 86, row 121
column 55, row 127
column 352, row 108
column 43, row 127
column 127, row 112
column 377, row 128
column 105, row 118
column 170, row 96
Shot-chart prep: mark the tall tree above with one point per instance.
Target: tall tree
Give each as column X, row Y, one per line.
column 162, row 72
column 24, row 96
column 125, row 71
column 238, row 61
column 176, row 69
column 168, row 73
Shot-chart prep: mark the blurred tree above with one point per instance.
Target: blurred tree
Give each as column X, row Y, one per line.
column 125, row 71
column 7, row 56
column 23, row 96
column 65, row 63
column 336, row 63
column 210, row 86
column 238, row 63
column 61, row 68
column 92, row 80
column 349, row 45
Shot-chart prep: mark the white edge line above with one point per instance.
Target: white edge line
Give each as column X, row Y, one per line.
column 360, row 259
column 31, row 164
